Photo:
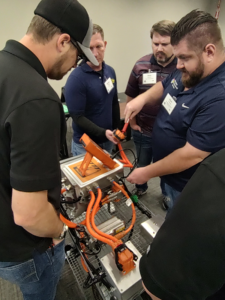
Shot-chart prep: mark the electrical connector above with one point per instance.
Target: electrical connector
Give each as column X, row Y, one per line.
column 134, row 198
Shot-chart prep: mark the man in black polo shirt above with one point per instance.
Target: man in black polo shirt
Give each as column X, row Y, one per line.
column 32, row 129
column 187, row 257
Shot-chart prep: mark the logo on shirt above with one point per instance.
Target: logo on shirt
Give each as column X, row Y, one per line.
column 184, row 106
column 113, row 80
column 174, row 83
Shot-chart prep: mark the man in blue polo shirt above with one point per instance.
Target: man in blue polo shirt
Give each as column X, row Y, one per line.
column 91, row 97
column 148, row 70
column 190, row 124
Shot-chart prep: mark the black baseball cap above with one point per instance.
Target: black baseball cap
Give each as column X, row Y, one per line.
column 72, row 18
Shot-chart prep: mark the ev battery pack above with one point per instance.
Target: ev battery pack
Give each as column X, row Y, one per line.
column 127, row 286
column 150, row 227
column 96, row 172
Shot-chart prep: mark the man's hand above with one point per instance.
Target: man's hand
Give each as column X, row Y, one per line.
column 133, row 107
column 152, row 96
column 110, row 136
column 134, row 125
column 138, row 176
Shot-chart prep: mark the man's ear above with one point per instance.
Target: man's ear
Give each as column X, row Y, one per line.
column 105, row 43
column 209, row 51
column 63, row 42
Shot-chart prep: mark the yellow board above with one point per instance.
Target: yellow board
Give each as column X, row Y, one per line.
column 94, row 169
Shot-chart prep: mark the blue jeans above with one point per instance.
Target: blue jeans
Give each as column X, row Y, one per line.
column 37, row 277
column 172, row 196
column 78, row 149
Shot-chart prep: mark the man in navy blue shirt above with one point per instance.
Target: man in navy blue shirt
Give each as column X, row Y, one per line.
column 148, row 70
column 91, row 97
column 190, row 124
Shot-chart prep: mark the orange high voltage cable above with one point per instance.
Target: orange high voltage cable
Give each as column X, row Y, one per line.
column 88, row 224
column 120, row 136
column 123, row 233
column 108, row 236
column 124, row 257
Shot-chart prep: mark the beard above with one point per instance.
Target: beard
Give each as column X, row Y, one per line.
column 191, row 79
column 161, row 57
column 56, row 70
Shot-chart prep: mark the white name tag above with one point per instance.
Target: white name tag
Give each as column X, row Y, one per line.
column 149, row 78
column 109, row 85
column 169, row 103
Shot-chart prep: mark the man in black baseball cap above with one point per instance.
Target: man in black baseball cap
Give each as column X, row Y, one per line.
column 33, row 128
column 72, row 18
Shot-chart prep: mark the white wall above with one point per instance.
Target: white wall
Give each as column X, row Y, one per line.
column 126, row 24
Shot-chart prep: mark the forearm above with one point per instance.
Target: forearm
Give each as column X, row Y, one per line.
column 35, row 213
column 133, row 120
column 47, row 223
column 178, row 161
column 153, row 95
column 88, row 126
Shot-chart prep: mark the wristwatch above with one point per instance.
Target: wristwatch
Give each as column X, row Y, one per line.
column 63, row 233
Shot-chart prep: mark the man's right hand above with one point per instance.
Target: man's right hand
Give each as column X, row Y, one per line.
column 133, row 107
column 152, row 96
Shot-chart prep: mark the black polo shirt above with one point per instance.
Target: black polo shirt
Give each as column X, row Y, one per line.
column 32, row 126
column 186, row 260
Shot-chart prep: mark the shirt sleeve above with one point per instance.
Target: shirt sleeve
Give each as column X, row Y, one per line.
column 168, row 79
column 75, row 95
column 207, row 129
column 35, row 132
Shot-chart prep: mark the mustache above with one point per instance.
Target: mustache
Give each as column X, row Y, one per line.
column 184, row 71
column 160, row 53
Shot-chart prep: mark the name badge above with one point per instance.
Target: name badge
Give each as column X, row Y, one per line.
column 109, row 85
column 149, row 78
column 169, row 103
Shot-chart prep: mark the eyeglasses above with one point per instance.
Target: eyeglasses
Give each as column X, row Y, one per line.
column 80, row 55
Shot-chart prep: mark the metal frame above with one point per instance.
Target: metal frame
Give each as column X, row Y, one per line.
column 123, row 212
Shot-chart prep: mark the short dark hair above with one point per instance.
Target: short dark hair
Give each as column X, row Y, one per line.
column 163, row 27
column 98, row 29
column 199, row 28
column 42, row 30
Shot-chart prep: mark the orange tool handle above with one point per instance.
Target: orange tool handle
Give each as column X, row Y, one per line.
column 125, row 127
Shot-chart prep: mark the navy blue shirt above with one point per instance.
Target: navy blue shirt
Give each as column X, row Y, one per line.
column 198, row 118
column 86, row 95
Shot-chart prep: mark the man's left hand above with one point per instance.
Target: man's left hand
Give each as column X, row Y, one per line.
column 110, row 136
column 138, row 176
